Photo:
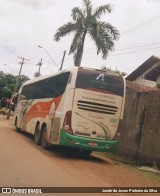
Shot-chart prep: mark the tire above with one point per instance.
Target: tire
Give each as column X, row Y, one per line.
column 15, row 124
column 18, row 130
column 38, row 135
column 44, row 138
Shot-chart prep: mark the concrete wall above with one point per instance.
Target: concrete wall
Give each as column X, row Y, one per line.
column 145, row 82
column 140, row 139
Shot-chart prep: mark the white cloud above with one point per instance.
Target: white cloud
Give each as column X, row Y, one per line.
column 27, row 23
column 36, row 4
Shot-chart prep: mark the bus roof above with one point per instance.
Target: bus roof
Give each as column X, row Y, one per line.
column 73, row 69
column 48, row 76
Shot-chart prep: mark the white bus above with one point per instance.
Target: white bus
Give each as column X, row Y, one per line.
column 79, row 107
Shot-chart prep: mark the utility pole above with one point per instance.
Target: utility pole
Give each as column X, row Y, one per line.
column 63, row 60
column 39, row 64
column 17, row 81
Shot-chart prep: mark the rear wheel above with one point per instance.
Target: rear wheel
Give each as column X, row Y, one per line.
column 38, row 135
column 45, row 144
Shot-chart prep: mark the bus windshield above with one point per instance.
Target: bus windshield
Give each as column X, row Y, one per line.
column 100, row 81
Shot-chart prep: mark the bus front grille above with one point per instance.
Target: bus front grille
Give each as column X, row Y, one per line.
column 97, row 107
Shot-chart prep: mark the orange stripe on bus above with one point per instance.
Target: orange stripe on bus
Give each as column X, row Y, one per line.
column 41, row 109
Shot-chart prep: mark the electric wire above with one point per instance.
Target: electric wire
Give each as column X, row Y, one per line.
column 140, row 25
column 120, row 53
column 137, row 27
column 129, row 48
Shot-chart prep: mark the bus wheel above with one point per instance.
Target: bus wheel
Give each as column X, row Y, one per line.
column 15, row 124
column 18, row 130
column 44, row 138
column 38, row 135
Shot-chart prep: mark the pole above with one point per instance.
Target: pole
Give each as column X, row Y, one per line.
column 63, row 60
column 16, row 85
column 40, row 64
column 48, row 54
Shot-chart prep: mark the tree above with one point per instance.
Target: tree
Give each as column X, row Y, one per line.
column 114, row 71
column 22, row 79
column 8, row 82
column 87, row 21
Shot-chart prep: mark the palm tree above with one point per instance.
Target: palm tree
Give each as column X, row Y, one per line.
column 86, row 21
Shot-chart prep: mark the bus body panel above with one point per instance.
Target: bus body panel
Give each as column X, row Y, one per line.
column 85, row 143
column 95, row 113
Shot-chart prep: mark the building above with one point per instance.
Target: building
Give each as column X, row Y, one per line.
column 147, row 74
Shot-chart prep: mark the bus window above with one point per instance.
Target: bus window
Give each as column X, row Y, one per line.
column 100, row 81
column 47, row 88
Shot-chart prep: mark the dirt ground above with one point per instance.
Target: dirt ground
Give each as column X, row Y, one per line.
column 24, row 164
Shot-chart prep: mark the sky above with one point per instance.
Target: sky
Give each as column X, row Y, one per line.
column 25, row 24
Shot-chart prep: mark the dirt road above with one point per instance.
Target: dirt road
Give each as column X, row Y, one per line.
column 23, row 163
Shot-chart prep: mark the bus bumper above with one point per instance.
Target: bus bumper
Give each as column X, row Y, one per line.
column 87, row 143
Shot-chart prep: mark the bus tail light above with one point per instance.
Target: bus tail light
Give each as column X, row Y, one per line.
column 119, row 130
column 67, row 123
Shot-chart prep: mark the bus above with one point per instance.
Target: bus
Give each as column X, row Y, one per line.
column 81, row 108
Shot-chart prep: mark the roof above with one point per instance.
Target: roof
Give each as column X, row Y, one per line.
column 152, row 75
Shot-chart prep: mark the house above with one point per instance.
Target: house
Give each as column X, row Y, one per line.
column 147, row 74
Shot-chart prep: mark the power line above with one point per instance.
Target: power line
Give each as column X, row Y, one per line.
column 129, row 48
column 140, row 46
column 120, row 53
column 137, row 26
column 140, row 25
column 135, row 51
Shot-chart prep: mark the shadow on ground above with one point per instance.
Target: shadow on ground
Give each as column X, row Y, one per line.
column 69, row 153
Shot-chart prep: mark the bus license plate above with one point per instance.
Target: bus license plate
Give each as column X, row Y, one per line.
column 92, row 144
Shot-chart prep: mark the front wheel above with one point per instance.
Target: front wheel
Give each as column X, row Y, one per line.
column 15, row 124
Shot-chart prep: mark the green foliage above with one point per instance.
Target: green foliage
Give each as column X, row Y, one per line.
column 8, row 83
column 114, row 71
column 21, row 80
column 86, row 21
